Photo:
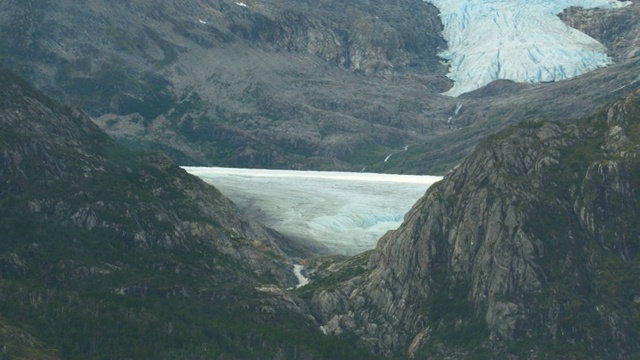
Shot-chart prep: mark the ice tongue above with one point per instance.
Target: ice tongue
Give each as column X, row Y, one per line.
column 519, row 40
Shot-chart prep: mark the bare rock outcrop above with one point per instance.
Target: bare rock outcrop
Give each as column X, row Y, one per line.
column 532, row 240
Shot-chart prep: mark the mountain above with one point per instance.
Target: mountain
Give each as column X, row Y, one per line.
column 106, row 253
column 277, row 84
column 528, row 249
column 289, row 84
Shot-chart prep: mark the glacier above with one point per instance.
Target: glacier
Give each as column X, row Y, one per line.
column 347, row 212
column 519, row 40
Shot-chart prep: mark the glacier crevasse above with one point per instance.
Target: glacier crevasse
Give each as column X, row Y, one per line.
column 519, row 40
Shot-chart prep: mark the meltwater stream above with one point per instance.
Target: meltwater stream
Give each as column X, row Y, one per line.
column 348, row 212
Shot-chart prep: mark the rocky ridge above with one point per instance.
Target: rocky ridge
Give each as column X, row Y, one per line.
column 216, row 82
column 608, row 29
column 526, row 250
column 44, row 151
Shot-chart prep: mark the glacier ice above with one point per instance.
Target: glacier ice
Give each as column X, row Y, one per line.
column 518, row 40
column 348, row 212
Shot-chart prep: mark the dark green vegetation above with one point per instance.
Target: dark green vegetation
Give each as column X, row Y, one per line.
column 110, row 254
column 455, row 325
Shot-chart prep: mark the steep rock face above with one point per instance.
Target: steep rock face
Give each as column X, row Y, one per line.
column 615, row 30
column 375, row 38
column 532, row 238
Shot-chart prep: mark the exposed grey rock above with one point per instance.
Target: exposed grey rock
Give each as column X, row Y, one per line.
column 525, row 230
column 613, row 30
column 287, row 83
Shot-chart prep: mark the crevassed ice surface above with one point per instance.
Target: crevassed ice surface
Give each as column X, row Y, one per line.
column 348, row 212
column 519, row 40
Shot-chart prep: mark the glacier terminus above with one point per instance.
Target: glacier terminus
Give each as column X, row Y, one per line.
column 346, row 212
column 519, row 40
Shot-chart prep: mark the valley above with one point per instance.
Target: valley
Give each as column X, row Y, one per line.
column 214, row 179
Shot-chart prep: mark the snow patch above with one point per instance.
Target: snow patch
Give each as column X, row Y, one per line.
column 302, row 280
column 458, row 108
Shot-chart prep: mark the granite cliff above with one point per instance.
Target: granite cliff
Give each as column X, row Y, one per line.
column 528, row 249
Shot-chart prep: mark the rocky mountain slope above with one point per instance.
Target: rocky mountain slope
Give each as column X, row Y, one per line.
column 215, row 82
column 526, row 250
column 529, row 249
column 106, row 253
column 288, row 84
